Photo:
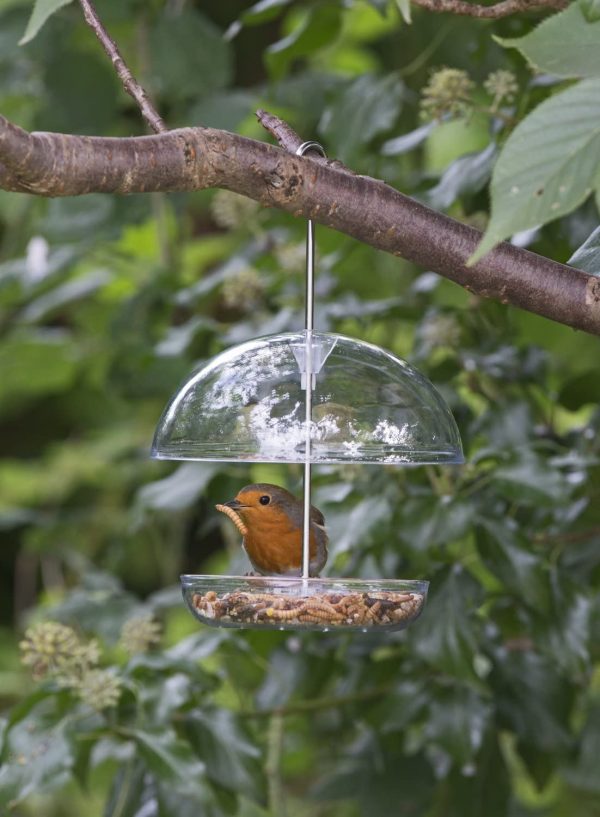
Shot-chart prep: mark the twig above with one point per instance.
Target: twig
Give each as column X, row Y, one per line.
column 284, row 133
column 495, row 12
column 316, row 704
column 130, row 83
column 290, row 141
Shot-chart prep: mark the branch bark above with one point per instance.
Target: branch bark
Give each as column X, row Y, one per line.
column 51, row 164
column 502, row 9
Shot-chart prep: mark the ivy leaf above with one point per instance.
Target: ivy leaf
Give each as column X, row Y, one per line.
column 408, row 141
column 176, row 492
column 587, row 257
column 186, row 47
column 170, row 759
column 321, row 25
column 590, row 9
column 565, row 45
column 368, row 106
column 263, row 11
column 34, row 364
column 40, row 13
column 458, row 720
column 404, row 9
column 39, row 757
column 509, row 558
column 446, row 637
column 583, row 773
column 231, row 759
column 468, row 174
column 532, row 699
column 563, row 133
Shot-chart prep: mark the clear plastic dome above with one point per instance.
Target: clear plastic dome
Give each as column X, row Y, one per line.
column 368, row 406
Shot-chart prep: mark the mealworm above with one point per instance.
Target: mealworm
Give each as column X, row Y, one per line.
column 234, row 518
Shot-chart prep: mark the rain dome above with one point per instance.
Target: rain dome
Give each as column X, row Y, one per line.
column 368, row 406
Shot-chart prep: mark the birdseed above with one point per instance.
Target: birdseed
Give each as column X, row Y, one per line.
column 360, row 610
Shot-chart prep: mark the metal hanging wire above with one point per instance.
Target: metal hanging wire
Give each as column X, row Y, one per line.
column 308, row 326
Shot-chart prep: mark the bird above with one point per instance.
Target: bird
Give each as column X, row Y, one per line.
column 271, row 524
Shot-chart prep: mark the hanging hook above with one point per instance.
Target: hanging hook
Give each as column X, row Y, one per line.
column 308, row 325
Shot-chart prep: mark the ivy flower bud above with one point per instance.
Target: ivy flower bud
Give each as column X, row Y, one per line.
column 502, row 86
column 139, row 634
column 49, row 648
column 448, row 93
column 230, row 210
column 99, row 688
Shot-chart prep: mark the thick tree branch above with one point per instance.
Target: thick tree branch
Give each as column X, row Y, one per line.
column 130, row 83
column 51, row 164
column 502, row 9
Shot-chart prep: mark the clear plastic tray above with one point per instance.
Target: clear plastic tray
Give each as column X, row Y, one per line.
column 290, row 603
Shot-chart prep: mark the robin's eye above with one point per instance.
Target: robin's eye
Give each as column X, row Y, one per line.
column 264, row 500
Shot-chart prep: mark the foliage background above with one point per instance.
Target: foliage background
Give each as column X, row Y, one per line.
column 490, row 704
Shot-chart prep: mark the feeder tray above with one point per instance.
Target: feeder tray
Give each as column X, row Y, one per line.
column 307, row 397
column 286, row 603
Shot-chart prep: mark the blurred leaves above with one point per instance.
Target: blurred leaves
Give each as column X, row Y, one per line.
column 368, row 106
column 488, row 704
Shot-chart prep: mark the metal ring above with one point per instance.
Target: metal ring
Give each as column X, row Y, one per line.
column 306, row 146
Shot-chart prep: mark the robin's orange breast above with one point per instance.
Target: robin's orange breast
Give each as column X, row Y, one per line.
column 274, row 547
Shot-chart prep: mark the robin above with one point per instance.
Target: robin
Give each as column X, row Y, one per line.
column 271, row 520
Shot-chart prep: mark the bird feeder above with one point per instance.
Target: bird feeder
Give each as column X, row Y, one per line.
column 312, row 398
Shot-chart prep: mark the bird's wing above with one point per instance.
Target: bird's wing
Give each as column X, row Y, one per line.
column 316, row 517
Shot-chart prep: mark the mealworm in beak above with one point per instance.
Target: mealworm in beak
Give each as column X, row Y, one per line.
column 235, row 518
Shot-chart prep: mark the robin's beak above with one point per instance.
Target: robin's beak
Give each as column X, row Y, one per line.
column 235, row 504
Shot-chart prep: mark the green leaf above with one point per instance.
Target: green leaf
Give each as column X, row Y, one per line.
column 528, row 480
column 591, row 9
column 445, row 635
column 263, row 11
column 62, row 296
column 169, row 758
column 404, row 9
column 581, row 390
column 231, row 759
column 319, row 28
column 565, row 631
column 508, row 556
column 583, row 772
column 408, row 141
column 457, row 721
column 179, row 490
column 565, row 45
column 129, row 790
column 38, row 757
column 368, row 106
column 563, row 133
column 40, row 13
column 532, row 699
column 34, row 364
column 587, row 257
column 189, row 56
column 482, row 786
column 469, row 174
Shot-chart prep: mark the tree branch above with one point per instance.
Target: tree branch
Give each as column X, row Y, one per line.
column 53, row 164
column 130, row 83
column 502, row 9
